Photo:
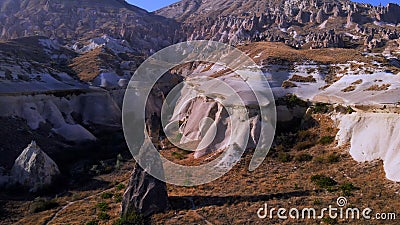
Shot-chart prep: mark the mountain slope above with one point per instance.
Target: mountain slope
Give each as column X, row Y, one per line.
column 298, row 23
column 74, row 20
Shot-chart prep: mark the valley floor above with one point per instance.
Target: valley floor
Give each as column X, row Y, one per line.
column 283, row 180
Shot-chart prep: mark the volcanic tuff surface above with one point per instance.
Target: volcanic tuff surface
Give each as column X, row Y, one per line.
column 76, row 20
column 301, row 24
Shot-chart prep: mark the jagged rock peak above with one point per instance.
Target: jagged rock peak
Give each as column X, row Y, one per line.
column 34, row 168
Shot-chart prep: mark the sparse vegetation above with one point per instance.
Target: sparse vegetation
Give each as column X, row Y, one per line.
column 326, row 140
column 377, row 87
column 322, row 108
column 284, row 157
column 304, row 157
column 333, row 158
column 92, row 222
column 317, row 201
column 304, row 145
column 131, row 219
column 350, row 110
column 42, row 204
column 347, row 189
column 288, row 84
column 359, row 81
column 349, row 88
column 120, row 187
column 107, row 195
column 103, row 216
column 103, row 206
column 291, row 100
column 178, row 155
column 329, row 220
column 323, row 181
column 118, row 197
column 298, row 78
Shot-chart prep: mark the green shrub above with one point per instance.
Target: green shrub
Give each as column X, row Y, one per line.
column 322, row 108
column 350, row 110
column 329, row 220
column 131, row 219
column 107, row 195
column 303, row 157
column 347, row 189
column 42, row 204
column 104, row 216
column 103, row 206
column 333, row 158
column 118, row 197
column 291, row 100
column 317, row 202
column 120, row 187
column 305, row 135
column 178, row 155
column 304, row 145
column 326, row 140
column 284, row 157
column 319, row 159
column 305, row 139
column 92, row 222
column 323, row 181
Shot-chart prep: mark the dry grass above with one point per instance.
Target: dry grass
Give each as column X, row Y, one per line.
column 359, row 81
column 87, row 66
column 270, row 51
column 349, row 88
column 288, row 84
column 236, row 197
column 377, row 87
column 298, row 78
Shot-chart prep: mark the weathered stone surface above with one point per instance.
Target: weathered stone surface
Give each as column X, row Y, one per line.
column 145, row 194
column 389, row 14
column 34, row 169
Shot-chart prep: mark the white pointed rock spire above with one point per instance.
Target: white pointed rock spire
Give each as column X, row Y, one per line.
column 34, row 168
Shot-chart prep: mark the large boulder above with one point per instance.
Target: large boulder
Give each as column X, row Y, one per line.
column 144, row 195
column 34, row 169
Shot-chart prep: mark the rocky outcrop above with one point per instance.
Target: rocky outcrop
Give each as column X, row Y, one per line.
column 144, row 195
column 389, row 14
column 34, row 169
column 75, row 20
column 373, row 136
column 238, row 22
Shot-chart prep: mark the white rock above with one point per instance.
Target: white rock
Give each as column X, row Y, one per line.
column 373, row 136
column 34, row 168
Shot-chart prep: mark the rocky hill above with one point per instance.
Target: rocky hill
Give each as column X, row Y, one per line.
column 300, row 24
column 71, row 21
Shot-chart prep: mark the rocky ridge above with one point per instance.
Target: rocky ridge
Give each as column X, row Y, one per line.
column 300, row 24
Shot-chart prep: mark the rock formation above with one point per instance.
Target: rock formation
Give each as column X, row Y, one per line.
column 34, row 169
column 389, row 14
column 373, row 136
column 145, row 194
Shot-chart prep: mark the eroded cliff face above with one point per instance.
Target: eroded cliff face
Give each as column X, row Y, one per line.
column 373, row 136
column 301, row 24
column 75, row 20
column 67, row 113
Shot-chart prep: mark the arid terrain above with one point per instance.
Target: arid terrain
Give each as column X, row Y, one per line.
column 330, row 68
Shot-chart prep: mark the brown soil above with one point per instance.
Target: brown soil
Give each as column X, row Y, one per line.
column 236, row 197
